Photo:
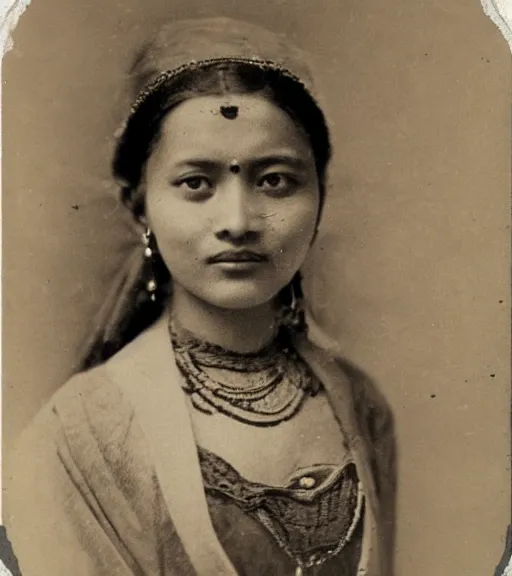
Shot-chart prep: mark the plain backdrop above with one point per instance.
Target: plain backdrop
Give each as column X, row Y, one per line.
column 410, row 273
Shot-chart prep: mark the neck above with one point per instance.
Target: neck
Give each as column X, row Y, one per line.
column 243, row 331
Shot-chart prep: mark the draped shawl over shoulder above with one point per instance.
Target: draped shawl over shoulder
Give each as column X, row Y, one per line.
column 106, row 480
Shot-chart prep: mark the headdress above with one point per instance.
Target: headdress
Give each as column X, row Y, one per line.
column 198, row 42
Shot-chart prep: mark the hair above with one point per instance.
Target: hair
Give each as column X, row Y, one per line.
column 142, row 132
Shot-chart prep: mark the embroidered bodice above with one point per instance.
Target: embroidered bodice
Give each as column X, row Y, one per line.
column 315, row 518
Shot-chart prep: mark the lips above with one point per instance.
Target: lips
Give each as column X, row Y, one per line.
column 237, row 256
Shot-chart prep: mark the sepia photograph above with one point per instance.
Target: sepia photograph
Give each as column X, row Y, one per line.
column 256, row 288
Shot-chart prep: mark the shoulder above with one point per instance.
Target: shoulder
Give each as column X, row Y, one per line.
column 85, row 426
column 85, row 460
column 86, row 400
column 91, row 418
column 102, row 407
column 80, row 429
column 344, row 379
column 369, row 401
column 96, row 399
column 377, row 421
column 91, row 406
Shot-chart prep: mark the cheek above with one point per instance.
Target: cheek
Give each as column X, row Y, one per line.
column 171, row 225
column 296, row 228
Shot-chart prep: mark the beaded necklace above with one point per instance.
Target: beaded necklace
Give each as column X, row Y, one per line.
column 276, row 380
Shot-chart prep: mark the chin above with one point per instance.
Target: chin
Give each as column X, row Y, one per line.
column 239, row 303
column 240, row 300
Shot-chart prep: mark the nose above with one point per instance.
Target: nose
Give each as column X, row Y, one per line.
column 237, row 214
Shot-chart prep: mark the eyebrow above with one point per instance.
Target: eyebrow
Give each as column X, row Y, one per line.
column 290, row 159
column 200, row 163
column 263, row 162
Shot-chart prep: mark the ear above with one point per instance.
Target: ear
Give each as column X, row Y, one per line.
column 143, row 220
column 138, row 204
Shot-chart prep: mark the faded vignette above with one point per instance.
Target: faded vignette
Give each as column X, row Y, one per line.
column 10, row 12
column 499, row 11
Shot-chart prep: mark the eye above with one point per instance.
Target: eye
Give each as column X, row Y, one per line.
column 195, row 183
column 195, row 188
column 277, row 182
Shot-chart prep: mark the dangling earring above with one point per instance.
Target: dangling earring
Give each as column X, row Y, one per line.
column 149, row 243
column 292, row 313
column 298, row 314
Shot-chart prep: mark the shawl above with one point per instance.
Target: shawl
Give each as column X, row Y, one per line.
column 65, row 453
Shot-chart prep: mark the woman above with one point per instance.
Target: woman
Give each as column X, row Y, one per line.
column 212, row 430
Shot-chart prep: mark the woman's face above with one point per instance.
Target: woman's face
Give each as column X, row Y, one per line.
column 233, row 202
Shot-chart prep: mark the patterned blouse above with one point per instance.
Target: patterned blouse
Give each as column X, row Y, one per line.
column 310, row 525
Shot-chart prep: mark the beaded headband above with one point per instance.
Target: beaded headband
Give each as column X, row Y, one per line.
column 164, row 77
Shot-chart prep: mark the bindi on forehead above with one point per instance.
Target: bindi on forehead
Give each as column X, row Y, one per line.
column 234, row 167
column 197, row 129
column 229, row 112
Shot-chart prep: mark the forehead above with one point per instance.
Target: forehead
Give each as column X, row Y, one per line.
column 198, row 126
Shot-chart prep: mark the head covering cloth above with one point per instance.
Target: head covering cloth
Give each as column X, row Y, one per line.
column 179, row 46
column 197, row 43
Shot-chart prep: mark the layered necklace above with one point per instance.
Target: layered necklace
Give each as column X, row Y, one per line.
column 275, row 381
